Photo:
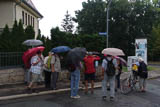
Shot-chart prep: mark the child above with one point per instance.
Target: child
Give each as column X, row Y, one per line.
column 135, row 71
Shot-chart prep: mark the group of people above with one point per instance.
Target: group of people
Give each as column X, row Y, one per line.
column 111, row 71
column 51, row 67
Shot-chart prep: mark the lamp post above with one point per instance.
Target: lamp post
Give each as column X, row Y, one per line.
column 107, row 30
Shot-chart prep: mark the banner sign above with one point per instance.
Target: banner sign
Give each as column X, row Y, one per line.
column 141, row 49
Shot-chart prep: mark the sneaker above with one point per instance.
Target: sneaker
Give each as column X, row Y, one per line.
column 77, row 96
column 104, row 97
column 72, row 96
column 111, row 98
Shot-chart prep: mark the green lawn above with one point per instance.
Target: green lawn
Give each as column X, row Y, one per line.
column 150, row 68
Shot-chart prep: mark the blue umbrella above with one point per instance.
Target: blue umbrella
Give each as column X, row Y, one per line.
column 60, row 49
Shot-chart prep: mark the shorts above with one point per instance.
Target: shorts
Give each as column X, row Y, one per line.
column 90, row 76
column 36, row 77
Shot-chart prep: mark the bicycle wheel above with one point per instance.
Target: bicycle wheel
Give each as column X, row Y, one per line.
column 126, row 86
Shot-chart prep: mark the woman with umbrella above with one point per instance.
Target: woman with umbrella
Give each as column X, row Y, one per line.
column 36, row 67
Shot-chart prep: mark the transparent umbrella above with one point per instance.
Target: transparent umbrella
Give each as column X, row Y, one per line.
column 32, row 42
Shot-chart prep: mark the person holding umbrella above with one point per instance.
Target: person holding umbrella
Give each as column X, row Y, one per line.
column 47, row 70
column 109, row 66
column 74, row 58
column 36, row 67
column 90, row 70
column 55, row 69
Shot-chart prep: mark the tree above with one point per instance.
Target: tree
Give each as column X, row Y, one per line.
column 128, row 21
column 92, row 18
column 67, row 23
column 5, row 43
column 29, row 32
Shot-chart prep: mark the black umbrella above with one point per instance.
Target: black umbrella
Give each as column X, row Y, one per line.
column 76, row 55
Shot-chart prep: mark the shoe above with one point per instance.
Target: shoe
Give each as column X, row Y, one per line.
column 86, row 92
column 111, row 98
column 115, row 90
column 92, row 92
column 104, row 97
column 143, row 91
column 108, row 89
column 72, row 96
column 77, row 96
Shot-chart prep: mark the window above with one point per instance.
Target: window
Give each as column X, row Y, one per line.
column 33, row 21
column 26, row 18
column 23, row 17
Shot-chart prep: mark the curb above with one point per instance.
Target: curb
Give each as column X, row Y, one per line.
column 40, row 93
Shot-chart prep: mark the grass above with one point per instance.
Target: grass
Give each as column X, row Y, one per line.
column 150, row 62
column 150, row 68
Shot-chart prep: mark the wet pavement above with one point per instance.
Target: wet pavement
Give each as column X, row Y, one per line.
column 134, row 99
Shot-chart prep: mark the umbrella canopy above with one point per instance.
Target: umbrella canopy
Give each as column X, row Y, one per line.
column 32, row 42
column 122, row 61
column 75, row 55
column 29, row 53
column 113, row 52
column 60, row 49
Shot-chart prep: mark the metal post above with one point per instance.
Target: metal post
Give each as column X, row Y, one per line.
column 107, row 30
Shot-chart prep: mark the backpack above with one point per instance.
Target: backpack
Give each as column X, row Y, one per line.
column 110, row 68
column 71, row 67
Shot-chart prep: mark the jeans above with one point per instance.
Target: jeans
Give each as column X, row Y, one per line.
column 111, row 80
column 75, row 78
column 54, row 79
column 27, row 76
column 142, row 83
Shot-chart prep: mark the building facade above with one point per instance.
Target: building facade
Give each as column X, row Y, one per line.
column 11, row 10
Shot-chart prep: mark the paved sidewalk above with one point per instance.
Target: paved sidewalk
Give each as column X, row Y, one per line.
column 19, row 90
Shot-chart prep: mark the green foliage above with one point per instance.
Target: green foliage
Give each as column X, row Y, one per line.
column 5, row 41
column 11, row 41
column 92, row 18
column 67, row 23
column 29, row 32
column 127, row 21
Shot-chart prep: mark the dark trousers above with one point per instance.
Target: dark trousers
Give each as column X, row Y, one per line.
column 47, row 79
column 54, row 79
column 118, row 80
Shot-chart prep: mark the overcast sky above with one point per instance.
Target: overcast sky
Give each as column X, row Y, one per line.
column 54, row 11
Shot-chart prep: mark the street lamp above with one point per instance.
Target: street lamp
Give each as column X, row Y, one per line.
column 107, row 32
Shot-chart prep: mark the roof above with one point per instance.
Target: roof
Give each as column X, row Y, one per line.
column 30, row 4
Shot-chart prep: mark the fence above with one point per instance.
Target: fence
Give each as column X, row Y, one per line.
column 10, row 59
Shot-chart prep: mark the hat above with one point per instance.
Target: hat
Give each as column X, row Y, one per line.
column 89, row 53
column 140, row 59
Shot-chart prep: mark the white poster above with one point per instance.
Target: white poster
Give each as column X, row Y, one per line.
column 141, row 49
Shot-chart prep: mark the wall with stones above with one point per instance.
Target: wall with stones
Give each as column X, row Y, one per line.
column 16, row 75
column 11, row 76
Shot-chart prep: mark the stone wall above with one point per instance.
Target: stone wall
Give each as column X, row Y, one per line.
column 16, row 75
column 11, row 76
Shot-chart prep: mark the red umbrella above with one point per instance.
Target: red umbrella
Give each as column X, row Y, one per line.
column 29, row 53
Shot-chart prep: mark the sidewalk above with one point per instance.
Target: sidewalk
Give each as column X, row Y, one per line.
column 19, row 90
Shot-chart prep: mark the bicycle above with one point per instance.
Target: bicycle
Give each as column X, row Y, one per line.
column 129, row 84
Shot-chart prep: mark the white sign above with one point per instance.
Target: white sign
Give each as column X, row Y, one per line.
column 141, row 49
column 131, row 60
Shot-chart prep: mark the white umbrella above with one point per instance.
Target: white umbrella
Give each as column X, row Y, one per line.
column 113, row 52
column 32, row 42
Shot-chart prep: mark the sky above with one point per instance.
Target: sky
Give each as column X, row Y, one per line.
column 54, row 11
